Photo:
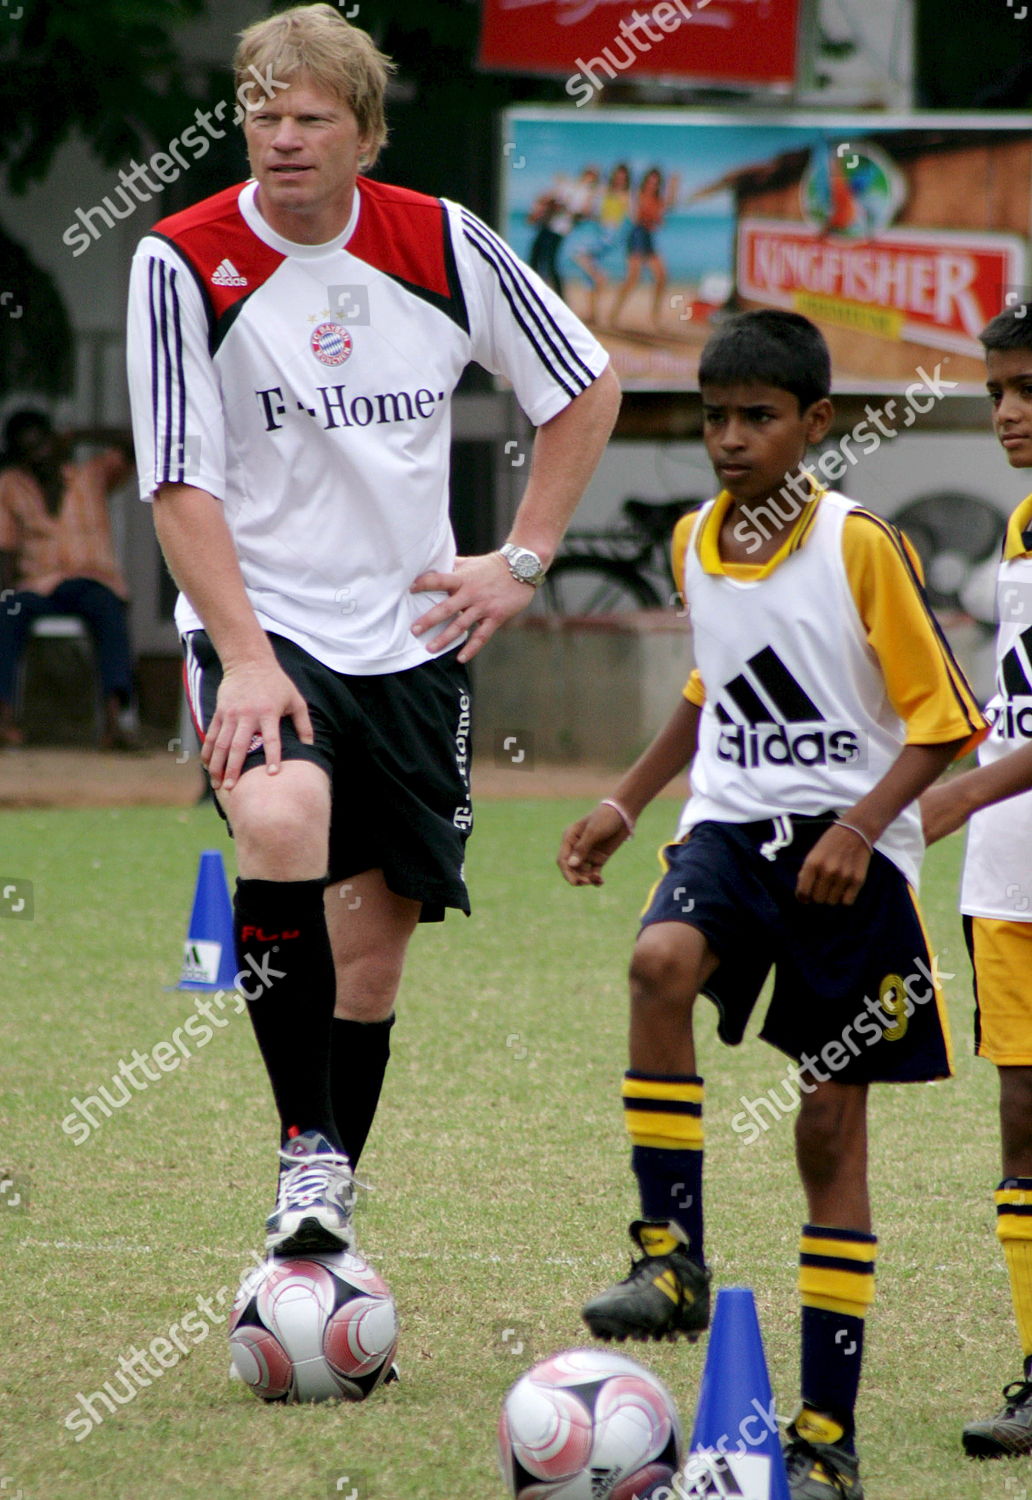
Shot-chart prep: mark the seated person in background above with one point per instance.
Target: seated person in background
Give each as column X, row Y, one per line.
column 57, row 558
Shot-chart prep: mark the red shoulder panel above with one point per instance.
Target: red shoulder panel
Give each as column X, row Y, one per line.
column 402, row 233
column 229, row 260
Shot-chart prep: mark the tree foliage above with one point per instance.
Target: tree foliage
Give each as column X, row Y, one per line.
column 107, row 69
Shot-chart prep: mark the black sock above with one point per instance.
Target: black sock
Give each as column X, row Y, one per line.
column 288, row 979
column 358, row 1062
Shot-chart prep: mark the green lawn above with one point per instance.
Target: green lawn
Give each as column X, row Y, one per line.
column 502, row 1192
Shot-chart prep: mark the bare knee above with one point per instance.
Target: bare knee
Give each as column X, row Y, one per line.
column 662, row 965
column 281, row 823
column 367, row 986
column 670, row 963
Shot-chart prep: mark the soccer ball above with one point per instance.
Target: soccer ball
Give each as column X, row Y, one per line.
column 313, row 1328
column 588, row 1425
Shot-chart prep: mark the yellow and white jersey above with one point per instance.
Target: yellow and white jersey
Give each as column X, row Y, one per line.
column 814, row 669
column 997, row 879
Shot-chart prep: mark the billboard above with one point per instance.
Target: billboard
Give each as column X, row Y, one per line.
column 900, row 236
column 746, row 42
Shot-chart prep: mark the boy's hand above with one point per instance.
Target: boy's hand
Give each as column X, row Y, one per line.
column 588, row 843
column 942, row 812
column 835, row 868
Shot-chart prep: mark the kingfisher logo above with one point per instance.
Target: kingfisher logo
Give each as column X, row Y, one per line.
column 851, row 188
column 782, row 724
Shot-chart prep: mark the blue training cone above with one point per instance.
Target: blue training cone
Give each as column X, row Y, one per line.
column 735, row 1447
column 209, row 955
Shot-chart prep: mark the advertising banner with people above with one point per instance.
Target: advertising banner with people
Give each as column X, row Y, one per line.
column 900, row 238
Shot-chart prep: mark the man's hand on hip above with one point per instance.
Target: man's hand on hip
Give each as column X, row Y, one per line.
column 252, row 699
column 482, row 594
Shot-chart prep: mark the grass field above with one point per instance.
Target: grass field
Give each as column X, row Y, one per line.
column 502, row 1191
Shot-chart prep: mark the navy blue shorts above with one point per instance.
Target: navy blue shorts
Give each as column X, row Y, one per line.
column 396, row 748
column 854, row 986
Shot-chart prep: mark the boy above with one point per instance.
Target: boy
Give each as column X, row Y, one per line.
column 823, row 703
column 996, row 882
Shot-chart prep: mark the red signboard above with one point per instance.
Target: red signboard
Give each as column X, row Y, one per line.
column 932, row 287
column 595, row 42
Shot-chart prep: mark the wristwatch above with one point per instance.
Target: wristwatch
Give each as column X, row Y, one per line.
column 524, row 565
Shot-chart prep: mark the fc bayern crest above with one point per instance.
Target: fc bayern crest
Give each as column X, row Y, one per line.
column 331, row 343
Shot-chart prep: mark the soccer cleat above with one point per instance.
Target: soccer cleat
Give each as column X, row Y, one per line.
column 315, row 1199
column 1009, row 1432
column 666, row 1293
column 821, row 1471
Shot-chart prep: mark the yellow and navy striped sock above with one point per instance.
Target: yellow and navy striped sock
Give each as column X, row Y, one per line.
column 836, row 1285
column 1014, row 1231
column 663, row 1115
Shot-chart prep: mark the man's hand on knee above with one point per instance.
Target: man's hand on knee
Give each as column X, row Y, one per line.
column 252, row 699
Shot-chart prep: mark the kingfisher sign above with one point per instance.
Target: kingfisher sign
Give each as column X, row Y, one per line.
column 933, row 288
column 846, row 264
column 899, row 238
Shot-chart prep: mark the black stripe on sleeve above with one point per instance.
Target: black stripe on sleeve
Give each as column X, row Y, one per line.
column 153, row 271
column 179, row 447
column 546, row 337
column 166, row 370
column 198, row 280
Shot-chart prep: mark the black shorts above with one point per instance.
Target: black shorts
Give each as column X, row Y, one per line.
column 855, row 986
column 396, row 748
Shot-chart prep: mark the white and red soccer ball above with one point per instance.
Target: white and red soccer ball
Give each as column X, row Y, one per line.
column 588, row 1425
column 313, row 1328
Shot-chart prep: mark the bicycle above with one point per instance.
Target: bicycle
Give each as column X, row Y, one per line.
column 603, row 572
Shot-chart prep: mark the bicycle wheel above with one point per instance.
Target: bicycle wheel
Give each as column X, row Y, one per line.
column 595, row 586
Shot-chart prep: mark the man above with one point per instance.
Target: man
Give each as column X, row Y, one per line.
column 293, row 345
column 57, row 558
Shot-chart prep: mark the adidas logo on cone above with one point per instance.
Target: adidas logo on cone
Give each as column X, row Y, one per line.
column 209, row 954
column 735, row 1447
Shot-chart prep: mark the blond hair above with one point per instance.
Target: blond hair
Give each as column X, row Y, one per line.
column 340, row 58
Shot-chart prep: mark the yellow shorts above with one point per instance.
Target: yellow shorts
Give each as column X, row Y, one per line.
column 1001, row 955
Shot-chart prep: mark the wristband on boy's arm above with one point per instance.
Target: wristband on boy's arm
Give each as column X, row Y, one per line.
column 622, row 813
column 858, row 831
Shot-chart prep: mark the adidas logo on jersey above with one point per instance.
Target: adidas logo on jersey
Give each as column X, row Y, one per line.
column 226, row 274
column 1012, row 675
column 1010, row 723
column 781, row 721
column 748, row 746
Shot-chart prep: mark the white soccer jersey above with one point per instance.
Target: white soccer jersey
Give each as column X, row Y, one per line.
column 307, row 388
column 997, row 879
column 797, row 717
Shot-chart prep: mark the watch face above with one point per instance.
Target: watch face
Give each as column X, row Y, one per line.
column 524, row 565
